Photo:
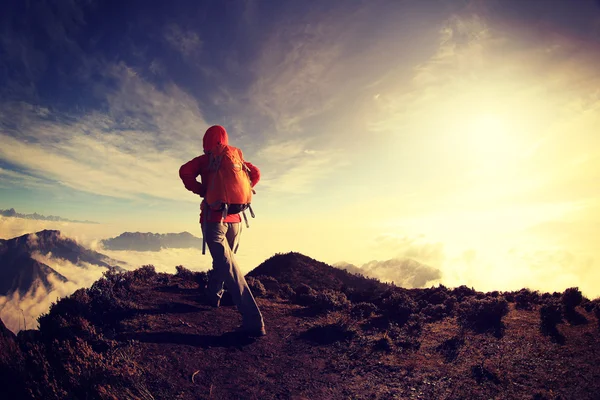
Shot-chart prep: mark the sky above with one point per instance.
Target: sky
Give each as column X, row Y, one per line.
column 462, row 134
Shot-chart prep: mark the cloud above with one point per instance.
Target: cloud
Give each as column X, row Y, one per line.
column 414, row 247
column 16, row 308
column 294, row 71
column 164, row 260
column 403, row 272
column 135, row 149
column 32, row 240
column 156, row 67
column 20, row 311
column 186, row 42
column 293, row 166
column 543, row 269
column 414, row 261
column 85, row 234
column 11, row 178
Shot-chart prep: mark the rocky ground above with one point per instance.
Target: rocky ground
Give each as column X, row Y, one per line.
column 143, row 335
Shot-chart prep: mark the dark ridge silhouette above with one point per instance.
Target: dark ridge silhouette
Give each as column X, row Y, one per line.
column 138, row 241
column 295, row 268
column 23, row 274
column 13, row 213
column 147, row 335
column 11, row 366
column 19, row 271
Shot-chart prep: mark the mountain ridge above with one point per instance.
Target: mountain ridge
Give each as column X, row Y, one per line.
column 21, row 272
column 148, row 241
column 35, row 216
column 147, row 335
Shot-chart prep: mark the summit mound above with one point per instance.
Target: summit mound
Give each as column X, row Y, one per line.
column 295, row 268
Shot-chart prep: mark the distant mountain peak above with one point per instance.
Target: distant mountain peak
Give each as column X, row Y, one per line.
column 20, row 271
column 148, row 241
column 35, row 216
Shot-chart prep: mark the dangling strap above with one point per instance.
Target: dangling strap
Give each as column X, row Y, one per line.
column 245, row 219
column 251, row 212
column 202, row 229
column 237, row 240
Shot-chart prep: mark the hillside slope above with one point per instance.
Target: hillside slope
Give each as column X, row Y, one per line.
column 295, row 268
column 21, row 272
column 145, row 335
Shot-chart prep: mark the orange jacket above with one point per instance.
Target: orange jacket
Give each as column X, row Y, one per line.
column 199, row 167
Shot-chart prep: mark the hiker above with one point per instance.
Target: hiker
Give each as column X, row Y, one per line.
column 221, row 222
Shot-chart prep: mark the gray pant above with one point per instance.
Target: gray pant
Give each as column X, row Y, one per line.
column 221, row 238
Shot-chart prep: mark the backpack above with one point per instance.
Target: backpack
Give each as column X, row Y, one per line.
column 228, row 188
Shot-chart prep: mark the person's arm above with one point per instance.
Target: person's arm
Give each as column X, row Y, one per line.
column 254, row 173
column 188, row 174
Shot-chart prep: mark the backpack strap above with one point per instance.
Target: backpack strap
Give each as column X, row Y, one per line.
column 202, row 224
column 245, row 219
column 213, row 166
column 237, row 240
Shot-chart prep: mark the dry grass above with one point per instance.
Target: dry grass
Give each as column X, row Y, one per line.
column 143, row 335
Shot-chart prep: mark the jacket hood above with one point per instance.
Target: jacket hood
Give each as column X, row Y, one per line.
column 214, row 135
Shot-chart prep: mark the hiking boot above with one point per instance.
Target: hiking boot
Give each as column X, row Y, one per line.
column 252, row 332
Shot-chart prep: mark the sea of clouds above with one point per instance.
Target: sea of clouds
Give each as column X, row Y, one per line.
column 407, row 261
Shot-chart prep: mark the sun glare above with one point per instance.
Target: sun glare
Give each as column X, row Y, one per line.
column 489, row 141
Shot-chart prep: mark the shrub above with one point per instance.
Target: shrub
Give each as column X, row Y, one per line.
column 329, row 333
column 271, row 284
column 201, row 278
column 589, row 306
column 403, row 339
column 437, row 295
column 525, row 299
column 108, row 294
column 435, row 312
column 414, row 325
column 184, row 273
column 144, row 274
column 462, row 292
column 363, row 310
column 329, row 300
column 545, row 297
column 550, row 315
column 286, row 291
column 483, row 315
column 450, row 303
column 305, row 295
column 256, row 286
column 384, row 344
column 597, row 314
column 398, row 307
column 450, row 348
column 571, row 298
